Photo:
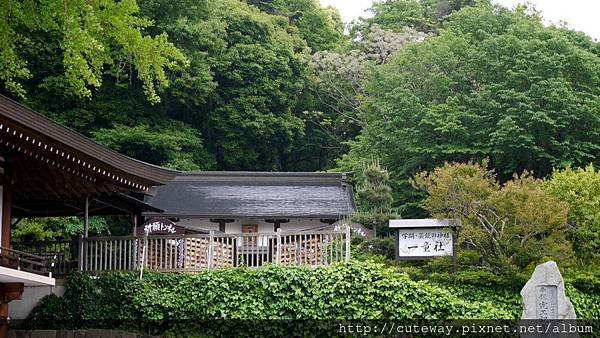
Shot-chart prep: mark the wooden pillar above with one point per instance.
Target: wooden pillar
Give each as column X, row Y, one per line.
column 134, row 221
column 454, row 253
column 86, row 217
column 6, row 216
column 397, row 246
column 5, row 243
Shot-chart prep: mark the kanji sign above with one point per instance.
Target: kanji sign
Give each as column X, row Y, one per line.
column 424, row 242
column 425, row 238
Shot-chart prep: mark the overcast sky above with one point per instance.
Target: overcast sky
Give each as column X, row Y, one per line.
column 582, row 15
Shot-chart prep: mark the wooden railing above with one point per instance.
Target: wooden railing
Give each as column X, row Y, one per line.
column 62, row 255
column 23, row 261
column 196, row 252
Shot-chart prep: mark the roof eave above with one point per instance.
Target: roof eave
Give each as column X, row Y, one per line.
column 32, row 121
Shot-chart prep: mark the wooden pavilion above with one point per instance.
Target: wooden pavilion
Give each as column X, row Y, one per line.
column 49, row 170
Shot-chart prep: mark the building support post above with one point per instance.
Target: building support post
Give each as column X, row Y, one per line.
column 222, row 222
column 144, row 255
column 86, row 217
column 81, row 251
column 134, row 221
column 396, row 246
column 8, row 291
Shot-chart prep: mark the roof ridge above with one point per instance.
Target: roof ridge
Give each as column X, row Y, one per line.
column 264, row 173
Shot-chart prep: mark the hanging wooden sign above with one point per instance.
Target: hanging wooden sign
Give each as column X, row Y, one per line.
column 159, row 226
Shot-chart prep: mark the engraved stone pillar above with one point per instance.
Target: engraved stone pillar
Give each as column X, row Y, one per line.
column 544, row 295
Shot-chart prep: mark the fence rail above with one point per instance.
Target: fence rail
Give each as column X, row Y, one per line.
column 196, row 252
column 61, row 255
column 23, row 261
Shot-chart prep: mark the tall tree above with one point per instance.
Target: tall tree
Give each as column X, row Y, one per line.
column 512, row 226
column 494, row 84
column 422, row 15
column 92, row 35
column 337, row 87
column 374, row 197
column 248, row 69
column 321, row 28
column 580, row 189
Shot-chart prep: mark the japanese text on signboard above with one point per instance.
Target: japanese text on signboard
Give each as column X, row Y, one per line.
column 429, row 242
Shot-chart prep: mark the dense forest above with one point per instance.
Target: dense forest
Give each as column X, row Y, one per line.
column 283, row 85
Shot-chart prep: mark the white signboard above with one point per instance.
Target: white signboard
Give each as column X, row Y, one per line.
column 424, row 242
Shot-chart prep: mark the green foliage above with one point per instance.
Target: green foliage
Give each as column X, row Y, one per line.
column 247, row 70
column 338, row 85
column 493, row 84
column 374, row 197
column 580, row 189
column 176, row 146
column 51, row 228
column 243, row 93
column 353, row 290
column 322, row 28
column 381, row 250
column 503, row 290
column 423, row 15
column 92, row 35
column 515, row 225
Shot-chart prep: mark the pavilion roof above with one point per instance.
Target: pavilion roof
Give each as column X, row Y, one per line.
column 51, row 168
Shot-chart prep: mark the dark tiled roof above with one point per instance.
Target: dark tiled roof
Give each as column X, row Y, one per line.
column 255, row 194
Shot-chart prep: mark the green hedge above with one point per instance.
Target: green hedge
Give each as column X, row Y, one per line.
column 504, row 291
column 354, row 290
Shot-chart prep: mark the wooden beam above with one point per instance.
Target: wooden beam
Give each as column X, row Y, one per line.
column 113, row 206
column 222, row 222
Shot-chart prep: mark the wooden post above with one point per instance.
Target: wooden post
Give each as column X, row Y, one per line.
column 86, row 217
column 134, row 223
column 397, row 247
column 6, row 216
column 5, row 243
column 347, row 242
column 144, row 254
column 278, row 251
column 454, row 253
column 81, row 253
column 210, row 248
column 211, row 238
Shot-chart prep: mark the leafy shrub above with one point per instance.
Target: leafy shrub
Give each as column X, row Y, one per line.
column 354, row 290
column 374, row 246
column 504, row 290
column 172, row 303
column 580, row 189
column 514, row 226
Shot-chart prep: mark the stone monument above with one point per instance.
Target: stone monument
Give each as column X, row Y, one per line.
column 544, row 295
